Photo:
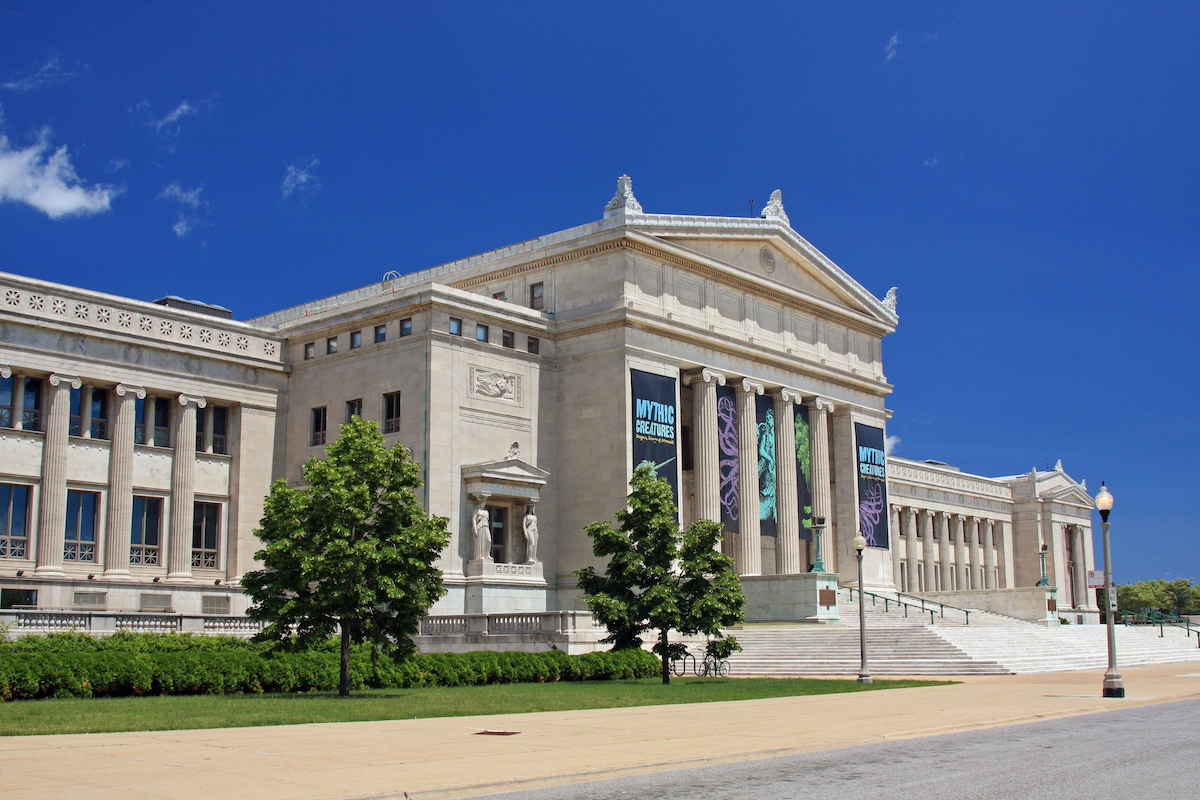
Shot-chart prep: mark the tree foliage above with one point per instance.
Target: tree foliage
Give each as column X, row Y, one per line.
column 658, row 578
column 353, row 551
column 1179, row 596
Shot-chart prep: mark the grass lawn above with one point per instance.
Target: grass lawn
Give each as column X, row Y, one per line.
column 103, row 715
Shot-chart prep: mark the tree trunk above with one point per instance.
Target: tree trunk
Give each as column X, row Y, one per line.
column 666, row 663
column 344, row 681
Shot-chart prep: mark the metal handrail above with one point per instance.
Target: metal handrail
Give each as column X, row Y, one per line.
column 1162, row 623
column 1166, row 616
column 940, row 611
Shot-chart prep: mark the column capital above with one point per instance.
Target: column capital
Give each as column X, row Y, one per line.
column 5, row 372
column 124, row 389
column 56, row 379
column 752, row 387
column 705, row 375
column 824, row 404
column 184, row 399
column 790, row 395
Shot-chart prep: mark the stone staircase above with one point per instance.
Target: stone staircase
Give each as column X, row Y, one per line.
column 909, row 645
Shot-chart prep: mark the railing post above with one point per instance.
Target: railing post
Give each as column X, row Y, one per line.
column 931, row 616
column 968, row 617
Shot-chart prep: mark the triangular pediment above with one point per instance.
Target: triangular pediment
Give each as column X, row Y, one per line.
column 1070, row 493
column 512, row 470
column 783, row 260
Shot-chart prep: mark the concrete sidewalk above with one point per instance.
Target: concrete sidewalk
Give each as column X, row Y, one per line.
column 442, row 758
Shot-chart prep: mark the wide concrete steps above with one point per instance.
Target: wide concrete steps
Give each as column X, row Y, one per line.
column 1073, row 647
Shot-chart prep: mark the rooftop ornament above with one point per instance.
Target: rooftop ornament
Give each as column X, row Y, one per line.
column 774, row 208
column 623, row 201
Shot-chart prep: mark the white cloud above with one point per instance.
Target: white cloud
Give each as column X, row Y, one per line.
column 892, row 45
column 184, row 109
column 931, row 162
column 48, row 74
column 891, row 445
column 185, row 224
column 47, row 181
column 117, row 164
column 189, row 197
column 301, row 179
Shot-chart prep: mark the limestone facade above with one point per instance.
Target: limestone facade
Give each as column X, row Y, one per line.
column 508, row 377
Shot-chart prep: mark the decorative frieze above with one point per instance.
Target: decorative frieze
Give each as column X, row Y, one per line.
column 495, row 385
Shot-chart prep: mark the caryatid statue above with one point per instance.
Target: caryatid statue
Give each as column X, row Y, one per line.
column 529, row 525
column 482, row 523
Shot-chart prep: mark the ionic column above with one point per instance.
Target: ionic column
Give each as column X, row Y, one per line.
column 1080, row 571
column 971, row 541
column 977, row 553
column 941, row 524
column 208, row 430
column 908, row 522
column 85, row 411
column 748, row 555
column 1001, row 569
column 120, row 482
column 822, row 492
column 987, row 528
column 148, row 419
column 958, row 526
column 704, row 435
column 52, row 515
column 926, row 522
column 183, row 473
column 787, row 542
column 18, row 399
column 894, row 526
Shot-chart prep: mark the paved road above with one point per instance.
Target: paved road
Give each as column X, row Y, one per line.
column 1145, row 752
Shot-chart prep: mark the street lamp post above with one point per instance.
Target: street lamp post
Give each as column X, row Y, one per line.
column 817, row 524
column 1044, row 581
column 1114, row 686
column 864, row 676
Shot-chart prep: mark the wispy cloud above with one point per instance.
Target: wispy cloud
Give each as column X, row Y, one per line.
column 185, row 224
column 184, row 109
column 46, row 180
column 167, row 127
column 891, row 445
column 50, row 73
column 931, row 162
column 117, row 164
column 301, row 179
column 893, row 46
column 189, row 197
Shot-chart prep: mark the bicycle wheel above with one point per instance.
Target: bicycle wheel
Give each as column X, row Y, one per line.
column 723, row 669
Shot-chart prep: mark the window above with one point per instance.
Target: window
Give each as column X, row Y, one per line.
column 318, row 426
column 162, row 422
column 99, row 428
column 75, row 425
column 79, row 540
column 355, row 339
column 31, row 407
column 146, row 534
column 531, row 344
column 380, row 333
column 537, row 296
column 139, row 425
column 154, row 602
column 406, row 327
column 206, row 524
column 455, row 327
column 14, row 521
column 331, row 345
column 18, row 598
column 498, row 517
column 498, row 296
column 6, row 402
column 214, row 604
column 391, row 412
column 220, row 433
column 353, row 409
column 508, row 338
column 310, row 350
column 91, row 601
column 481, row 333
column 200, row 415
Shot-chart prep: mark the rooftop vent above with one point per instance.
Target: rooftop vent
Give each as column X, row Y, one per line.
column 171, row 301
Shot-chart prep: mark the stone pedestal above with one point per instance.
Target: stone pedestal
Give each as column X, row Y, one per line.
column 494, row 588
column 810, row 597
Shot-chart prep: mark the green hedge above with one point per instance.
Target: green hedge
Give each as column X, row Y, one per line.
column 116, row 673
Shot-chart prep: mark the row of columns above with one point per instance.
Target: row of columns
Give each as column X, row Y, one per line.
column 936, row 530
column 52, row 510
column 747, row 549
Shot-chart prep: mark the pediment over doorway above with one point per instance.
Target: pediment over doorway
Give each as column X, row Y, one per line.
column 509, row 477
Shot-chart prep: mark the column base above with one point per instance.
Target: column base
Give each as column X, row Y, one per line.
column 180, row 577
column 117, row 575
column 49, row 572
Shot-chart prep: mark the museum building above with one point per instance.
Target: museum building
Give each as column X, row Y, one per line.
column 138, row 440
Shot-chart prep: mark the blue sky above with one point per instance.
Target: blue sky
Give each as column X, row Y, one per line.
column 1025, row 173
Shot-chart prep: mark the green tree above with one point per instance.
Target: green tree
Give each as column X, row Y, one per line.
column 658, row 578
column 1179, row 596
column 353, row 551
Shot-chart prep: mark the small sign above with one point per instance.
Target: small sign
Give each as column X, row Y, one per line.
column 827, row 598
column 1112, row 598
column 1095, row 579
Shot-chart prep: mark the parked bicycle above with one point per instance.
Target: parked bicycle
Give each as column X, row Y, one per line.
column 708, row 665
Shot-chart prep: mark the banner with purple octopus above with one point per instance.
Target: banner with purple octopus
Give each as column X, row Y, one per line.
column 872, row 485
column 727, row 444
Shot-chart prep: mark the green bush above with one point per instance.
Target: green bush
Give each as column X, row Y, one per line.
column 71, row 667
